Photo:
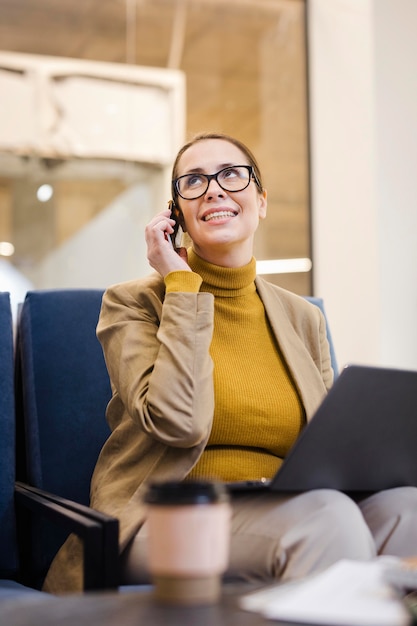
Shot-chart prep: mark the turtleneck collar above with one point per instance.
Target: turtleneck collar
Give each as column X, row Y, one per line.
column 224, row 281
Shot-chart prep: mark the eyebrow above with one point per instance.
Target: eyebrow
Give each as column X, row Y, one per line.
column 200, row 170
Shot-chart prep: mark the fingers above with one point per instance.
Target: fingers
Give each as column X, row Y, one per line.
column 160, row 251
column 161, row 226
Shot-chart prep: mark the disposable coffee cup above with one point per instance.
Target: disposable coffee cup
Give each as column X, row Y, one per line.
column 188, row 540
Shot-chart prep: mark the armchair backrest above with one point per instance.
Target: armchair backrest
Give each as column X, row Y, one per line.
column 320, row 303
column 63, row 387
column 8, row 542
column 62, row 390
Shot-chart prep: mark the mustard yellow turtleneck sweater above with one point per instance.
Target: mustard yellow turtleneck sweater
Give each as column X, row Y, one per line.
column 258, row 413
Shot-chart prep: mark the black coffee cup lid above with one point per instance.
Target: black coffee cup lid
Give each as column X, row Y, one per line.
column 186, row 492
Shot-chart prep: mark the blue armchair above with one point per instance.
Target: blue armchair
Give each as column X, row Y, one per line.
column 9, row 553
column 320, row 303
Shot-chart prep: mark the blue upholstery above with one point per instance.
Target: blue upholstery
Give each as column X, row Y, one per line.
column 12, row 590
column 9, row 558
column 319, row 302
column 64, row 389
column 64, row 373
column 8, row 550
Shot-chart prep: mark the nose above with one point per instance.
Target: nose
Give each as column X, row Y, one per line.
column 216, row 190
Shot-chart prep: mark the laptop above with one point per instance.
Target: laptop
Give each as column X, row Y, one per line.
column 363, row 437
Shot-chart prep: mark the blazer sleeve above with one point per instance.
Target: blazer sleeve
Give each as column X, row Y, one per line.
column 156, row 349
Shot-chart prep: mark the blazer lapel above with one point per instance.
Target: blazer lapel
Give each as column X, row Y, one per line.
column 300, row 363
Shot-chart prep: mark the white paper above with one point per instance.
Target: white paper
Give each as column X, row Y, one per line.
column 349, row 593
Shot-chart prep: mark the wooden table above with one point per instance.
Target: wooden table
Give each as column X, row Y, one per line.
column 132, row 608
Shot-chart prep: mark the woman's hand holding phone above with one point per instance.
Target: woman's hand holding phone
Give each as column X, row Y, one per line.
column 159, row 235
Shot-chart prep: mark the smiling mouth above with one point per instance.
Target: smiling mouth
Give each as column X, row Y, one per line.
column 219, row 215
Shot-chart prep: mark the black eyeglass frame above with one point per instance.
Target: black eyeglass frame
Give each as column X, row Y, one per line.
column 210, row 177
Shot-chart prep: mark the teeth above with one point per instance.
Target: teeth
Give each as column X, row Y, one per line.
column 218, row 214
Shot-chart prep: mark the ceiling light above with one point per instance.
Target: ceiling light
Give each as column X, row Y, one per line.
column 44, row 193
column 6, row 248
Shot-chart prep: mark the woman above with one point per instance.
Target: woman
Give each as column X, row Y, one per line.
column 214, row 374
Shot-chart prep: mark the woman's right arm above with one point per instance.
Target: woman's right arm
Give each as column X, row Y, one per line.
column 157, row 354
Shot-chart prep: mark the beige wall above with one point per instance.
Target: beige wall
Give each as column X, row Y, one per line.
column 363, row 68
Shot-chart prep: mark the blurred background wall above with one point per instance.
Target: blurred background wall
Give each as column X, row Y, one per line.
column 323, row 91
column 244, row 70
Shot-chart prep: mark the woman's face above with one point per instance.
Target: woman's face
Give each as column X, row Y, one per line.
column 221, row 223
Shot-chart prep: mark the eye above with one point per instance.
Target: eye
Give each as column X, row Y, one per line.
column 231, row 172
column 194, row 180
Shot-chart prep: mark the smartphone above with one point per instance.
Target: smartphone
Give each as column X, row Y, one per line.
column 175, row 213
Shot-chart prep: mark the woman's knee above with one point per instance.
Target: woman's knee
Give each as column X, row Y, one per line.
column 292, row 537
column 337, row 519
column 331, row 529
column 391, row 501
column 392, row 518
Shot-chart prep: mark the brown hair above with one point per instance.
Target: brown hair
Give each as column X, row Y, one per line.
column 236, row 142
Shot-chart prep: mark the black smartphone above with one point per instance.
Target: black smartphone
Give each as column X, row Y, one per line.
column 175, row 213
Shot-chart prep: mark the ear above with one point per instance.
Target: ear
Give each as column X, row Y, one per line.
column 262, row 204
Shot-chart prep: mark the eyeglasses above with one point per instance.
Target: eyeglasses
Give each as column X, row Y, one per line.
column 232, row 178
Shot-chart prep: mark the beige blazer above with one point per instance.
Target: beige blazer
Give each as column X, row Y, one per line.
column 156, row 348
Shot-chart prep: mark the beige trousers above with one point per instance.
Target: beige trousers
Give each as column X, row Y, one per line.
column 288, row 537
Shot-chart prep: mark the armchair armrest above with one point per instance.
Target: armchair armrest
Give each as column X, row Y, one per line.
column 99, row 532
